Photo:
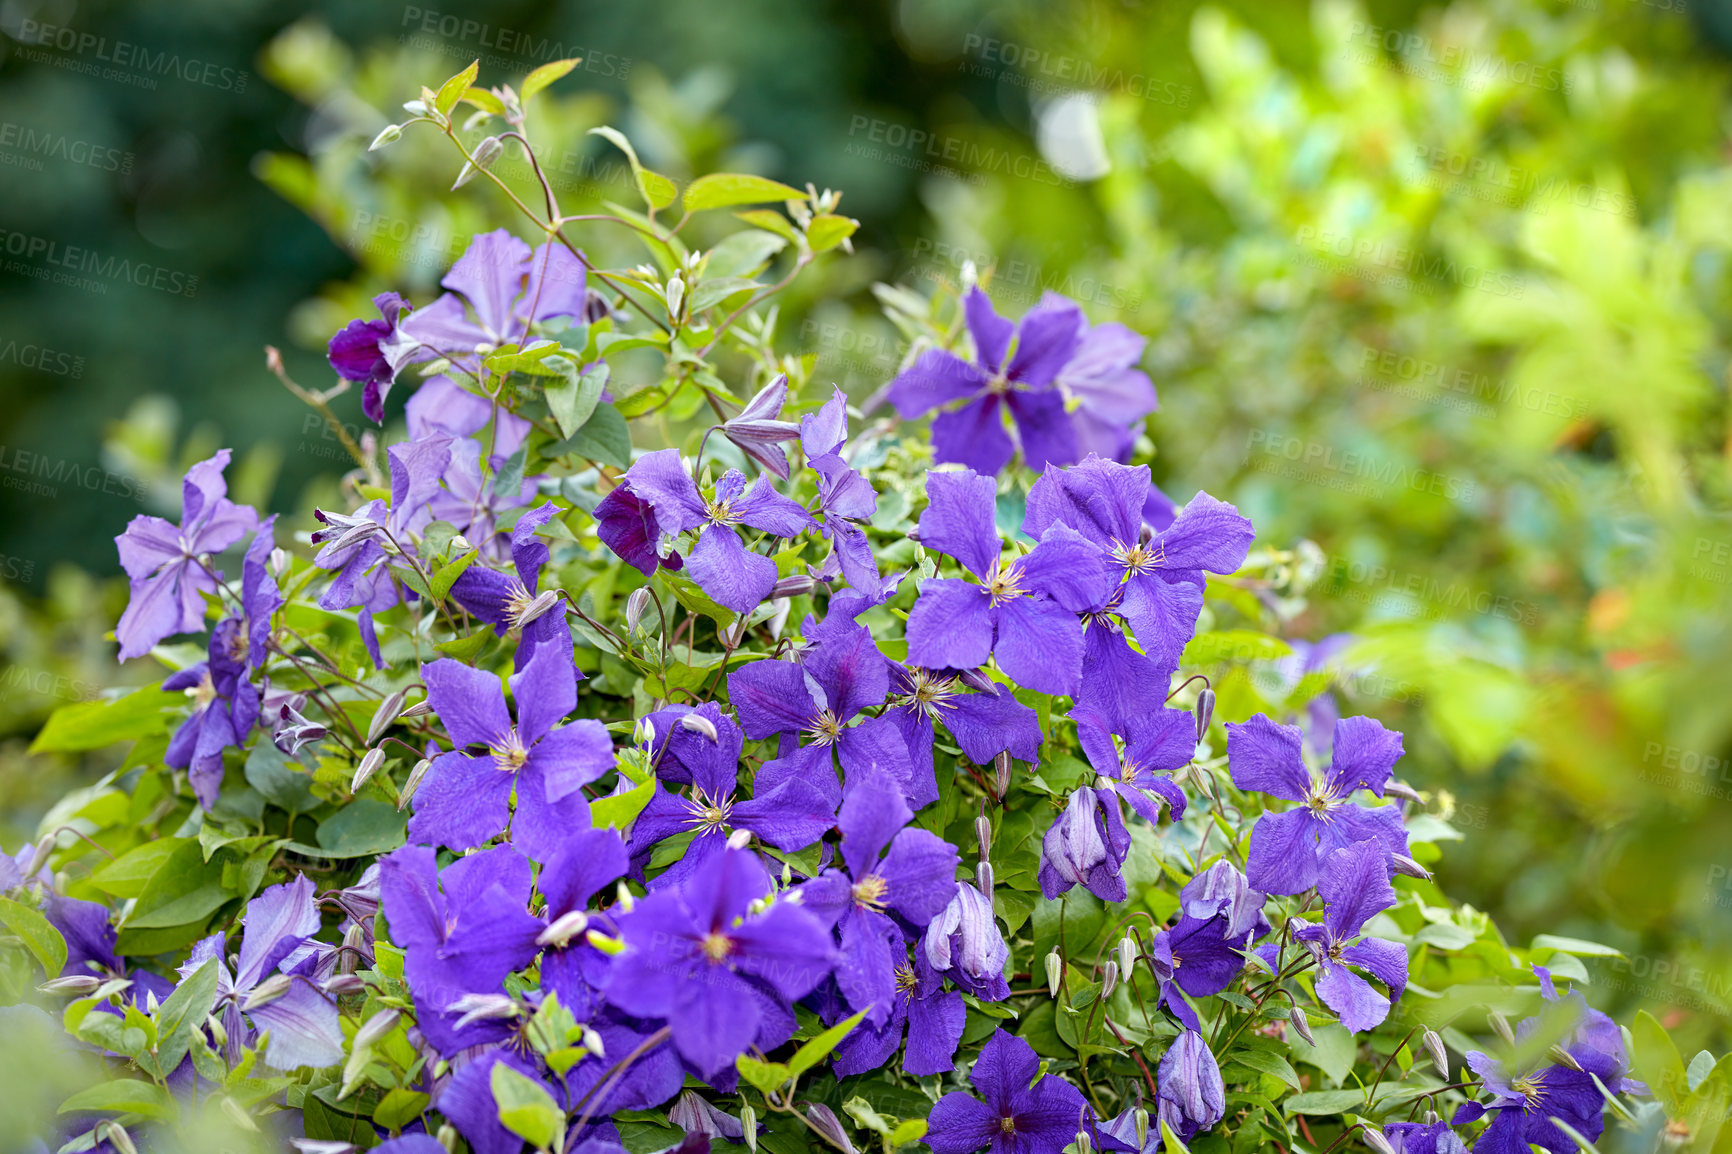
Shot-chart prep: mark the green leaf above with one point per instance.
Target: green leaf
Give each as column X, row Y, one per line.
column 1333, row 1053
column 828, row 230
column 122, row 1096
column 1654, row 1059
column 573, row 398
column 714, row 290
column 722, row 189
column 1324, row 1102
column 525, row 1107
column 37, row 933
column 766, row 1076
column 819, row 1048
column 466, row 649
column 770, row 220
column 1170, row 1141
column 510, row 476
column 1576, row 946
column 908, row 1131
column 545, row 75
column 744, row 253
column 604, row 438
column 97, row 724
column 687, row 593
column 282, row 781
column 411, row 576
column 399, row 1107
column 1266, row 1062
column 1209, row 648
column 446, row 575
column 657, row 190
column 128, row 875
column 620, row 810
column 184, row 1009
column 360, row 829
column 484, row 100
column 453, row 89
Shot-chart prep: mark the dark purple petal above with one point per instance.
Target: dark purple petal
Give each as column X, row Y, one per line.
column 920, row 872
column 1266, row 758
column 1354, row 881
column 1386, row 961
column 1162, row 609
column 937, row 378
column 935, row 1027
column 1100, row 499
column 791, row 816
column 545, row 691
column 1207, row 534
column 1046, row 431
column 470, row 702
column 1363, row 757
column 1070, row 569
column 991, row 332
column 961, row 1124
column 950, row 626
column 869, row 819
column 627, row 525
column 772, row 697
column 764, row 508
column 974, row 436
column 1046, row 339
column 850, row 671
column 591, row 860
column 661, row 480
column 1283, row 857
column 1039, row 645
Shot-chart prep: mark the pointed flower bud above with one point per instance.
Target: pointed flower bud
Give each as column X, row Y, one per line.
column 390, row 134
column 637, row 603
column 983, row 836
column 1109, row 978
column 117, row 1137
column 1001, row 765
column 1204, row 712
column 413, row 783
column 389, row 710
column 1402, row 789
column 218, row 1035
column 1054, row 971
column 749, row 1120
column 1301, row 1025
column 377, row 1028
column 1435, row 1051
column 482, row 1008
column 759, row 429
column 76, row 984
column 266, row 992
column 1141, row 1121
column 343, row 985
column 448, row 1137
column 1406, row 865
column 793, row 585
column 701, row 725
column 1374, row 1138
column 644, row 733
column 983, row 880
column 1127, row 954
column 593, row 1043
column 487, row 152
column 419, row 709
column 1501, row 1025
column 740, row 839
column 1082, row 1143
column 370, row 763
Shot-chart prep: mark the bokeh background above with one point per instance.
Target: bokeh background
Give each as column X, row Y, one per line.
column 1439, row 295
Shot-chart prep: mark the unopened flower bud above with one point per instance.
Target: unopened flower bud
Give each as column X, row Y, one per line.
column 637, row 603
column 354, row 938
column 1501, row 1025
column 676, row 294
column 460, row 545
column 1109, row 978
column 740, row 839
column 1141, row 1120
column 983, row 880
column 1563, row 1057
column 644, row 733
column 1374, row 1138
column 983, row 836
column 593, row 1043
column 266, row 992
column 1402, row 789
column 699, row 724
column 487, row 152
column 370, row 763
column 482, row 1008
column 343, row 985
column 40, row 853
column 219, row 1036
column 116, row 1136
column 238, row 1116
column 1301, row 1025
column 749, row 1120
column 793, row 585
column 378, row 1027
column 1406, row 865
column 1082, row 1144
column 389, row 710
column 1435, row 1051
column 1054, row 971
column 1001, row 766
column 413, row 783
column 389, row 134
column 279, row 561
column 75, row 984
column 563, row 928
column 1127, row 955
column 1204, row 711
column 448, row 1137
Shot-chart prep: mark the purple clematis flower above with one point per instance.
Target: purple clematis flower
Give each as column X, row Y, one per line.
column 570, row 965
column 1086, row 845
column 372, row 353
column 790, row 814
column 1222, row 891
column 442, row 407
column 1112, row 395
column 1198, row 956
column 1023, row 613
column 506, row 288
column 1288, row 849
column 260, row 597
column 626, row 523
column 698, row 957
column 225, row 706
column 165, row 563
column 467, row 1100
column 467, row 799
column 931, row 1016
column 973, row 434
column 1162, row 573
column 759, row 430
column 845, row 499
column 983, row 724
column 1190, row 1094
column 1424, row 1138
column 815, row 699
column 720, row 562
column 508, row 603
column 304, row 1027
column 1018, row 1111
column 1354, row 881
column 356, row 545
column 964, row 944
column 475, row 504
column 462, row 931
column 893, row 879
column 1524, row 1105
column 1138, row 765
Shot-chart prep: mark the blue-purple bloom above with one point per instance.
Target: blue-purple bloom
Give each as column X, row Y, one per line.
column 1354, row 882
column 845, row 499
column 356, row 545
column 1019, row 1111
column 1111, row 394
column 372, row 353
column 1288, row 849
column 167, row 564
column 964, row 944
column 983, row 724
column 1190, row 1095
column 1086, row 845
column 1023, row 381
column 1023, row 611
column 932, row 1017
column 1425, row 1138
column 225, row 706
column 627, row 524
column 1137, row 757
column 467, row 799
column 759, row 431
column 514, row 602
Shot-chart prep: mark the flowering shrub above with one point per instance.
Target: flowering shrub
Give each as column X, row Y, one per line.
column 915, row 787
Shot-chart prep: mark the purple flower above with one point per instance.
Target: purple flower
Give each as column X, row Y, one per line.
column 973, row 434
column 441, row 406
column 1221, row 890
column 466, row 799
column 790, row 814
column 165, row 563
column 1355, row 883
column 475, row 504
column 1015, row 1113
column 260, row 597
column 699, row 958
column 1023, row 612
column 964, row 944
column 374, row 352
column 508, row 603
column 1424, row 1138
column 1190, row 1095
column 1287, row 849
column 461, row 931
column 626, row 523
column 506, row 288
column 759, row 430
column 1198, row 956
column 1086, row 845
column 1138, row 758
column 983, row 724
column 303, row 1022
column 355, row 545
column 845, row 499
column 467, row 1100
column 570, row 966
column 815, row 699
column 893, row 879
column 225, row 705
column 1162, row 574
column 1112, row 395
column 720, row 562
column 931, row 1016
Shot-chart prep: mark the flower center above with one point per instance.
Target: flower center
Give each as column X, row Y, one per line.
column 203, row 693
column 825, row 728
column 1007, row 1124
column 721, row 513
column 1139, row 558
column 509, row 752
column 717, row 946
column 905, row 979
column 237, row 646
column 998, row 386
column 1319, row 799
column 707, row 814
column 929, row 694
column 1005, row 583
column 1531, row 1088
column 869, row 891
column 517, row 602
